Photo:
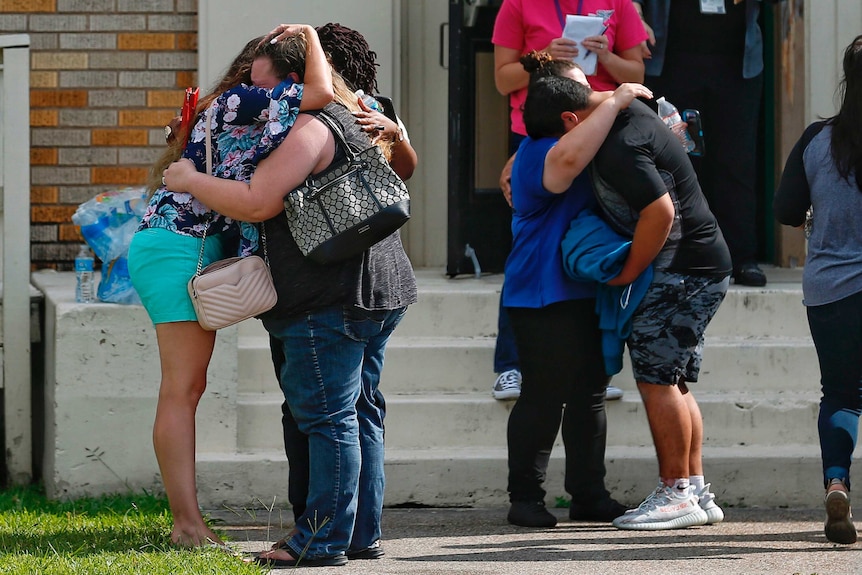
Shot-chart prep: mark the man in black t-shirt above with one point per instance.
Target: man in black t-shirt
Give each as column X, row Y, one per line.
column 648, row 190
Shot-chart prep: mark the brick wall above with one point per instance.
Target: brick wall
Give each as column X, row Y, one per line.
column 106, row 76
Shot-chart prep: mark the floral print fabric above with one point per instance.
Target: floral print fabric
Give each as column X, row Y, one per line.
column 246, row 124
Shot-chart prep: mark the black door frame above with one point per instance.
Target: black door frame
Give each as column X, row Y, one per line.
column 479, row 220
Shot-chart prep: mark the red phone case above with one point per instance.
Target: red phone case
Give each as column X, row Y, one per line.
column 188, row 113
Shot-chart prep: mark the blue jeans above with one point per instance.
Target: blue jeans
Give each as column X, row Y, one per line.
column 505, row 348
column 837, row 332
column 331, row 371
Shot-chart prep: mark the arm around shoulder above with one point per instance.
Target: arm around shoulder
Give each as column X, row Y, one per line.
column 578, row 146
column 317, row 89
column 307, row 149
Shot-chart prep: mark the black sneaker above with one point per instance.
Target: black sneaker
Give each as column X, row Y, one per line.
column 334, row 561
column 373, row 551
column 603, row 510
column 530, row 514
column 749, row 274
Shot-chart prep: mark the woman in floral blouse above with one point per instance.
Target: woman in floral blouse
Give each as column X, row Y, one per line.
column 246, row 123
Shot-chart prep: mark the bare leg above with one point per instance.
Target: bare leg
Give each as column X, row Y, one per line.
column 670, row 423
column 695, row 456
column 184, row 350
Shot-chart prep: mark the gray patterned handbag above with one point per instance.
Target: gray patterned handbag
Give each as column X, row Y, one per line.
column 349, row 207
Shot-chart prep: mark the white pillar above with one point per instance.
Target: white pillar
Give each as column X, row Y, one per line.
column 15, row 174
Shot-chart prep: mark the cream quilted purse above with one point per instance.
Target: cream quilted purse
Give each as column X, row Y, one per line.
column 233, row 289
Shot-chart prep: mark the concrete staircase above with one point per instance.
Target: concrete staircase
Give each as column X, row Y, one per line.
column 446, row 435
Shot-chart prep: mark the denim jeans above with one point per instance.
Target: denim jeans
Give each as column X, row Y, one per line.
column 505, row 348
column 295, row 442
column 331, row 371
column 837, row 332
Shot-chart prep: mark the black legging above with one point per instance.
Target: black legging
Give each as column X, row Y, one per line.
column 563, row 380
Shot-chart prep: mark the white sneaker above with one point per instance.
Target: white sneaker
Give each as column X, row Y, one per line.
column 665, row 508
column 613, row 392
column 507, row 385
column 706, row 500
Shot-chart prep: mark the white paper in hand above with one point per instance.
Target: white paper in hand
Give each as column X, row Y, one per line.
column 580, row 27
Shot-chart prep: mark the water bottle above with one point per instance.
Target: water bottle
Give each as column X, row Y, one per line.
column 370, row 101
column 85, row 288
column 672, row 119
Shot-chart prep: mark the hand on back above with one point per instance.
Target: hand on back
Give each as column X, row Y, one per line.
column 628, row 91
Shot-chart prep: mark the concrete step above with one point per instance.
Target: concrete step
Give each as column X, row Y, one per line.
column 460, row 420
column 445, row 434
column 435, row 365
column 446, row 441
column 466, row 307
column 784, row 475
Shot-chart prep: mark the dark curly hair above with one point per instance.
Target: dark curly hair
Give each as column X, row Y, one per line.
column 350, row 56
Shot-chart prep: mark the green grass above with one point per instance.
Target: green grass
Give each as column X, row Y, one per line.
column 123, row 535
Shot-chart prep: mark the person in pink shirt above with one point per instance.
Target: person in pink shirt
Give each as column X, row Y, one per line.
column 526, row 25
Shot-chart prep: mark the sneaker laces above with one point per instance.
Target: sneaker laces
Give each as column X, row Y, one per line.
column 508, row 380
column 660, row 496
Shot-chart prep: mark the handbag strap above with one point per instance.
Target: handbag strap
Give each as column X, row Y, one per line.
column 204, row 239
column 209, row 143
column 209, row 148
column 335, row 128
column 263, row 242
column 209, row 161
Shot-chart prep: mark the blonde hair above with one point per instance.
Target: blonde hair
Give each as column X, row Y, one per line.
column 348, row 98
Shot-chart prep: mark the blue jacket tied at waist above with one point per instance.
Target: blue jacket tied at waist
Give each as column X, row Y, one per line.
column 593, row 251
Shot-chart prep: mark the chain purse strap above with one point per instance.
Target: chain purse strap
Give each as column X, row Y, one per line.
column 209, row 164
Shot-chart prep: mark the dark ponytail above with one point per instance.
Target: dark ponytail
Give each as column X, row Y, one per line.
column 847, row 124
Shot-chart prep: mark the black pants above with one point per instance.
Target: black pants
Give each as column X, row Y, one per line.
column 729, row 107
column 563, row 380
column 295, row 444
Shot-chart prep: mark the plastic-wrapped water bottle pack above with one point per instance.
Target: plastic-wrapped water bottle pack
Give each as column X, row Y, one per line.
column 108, row 222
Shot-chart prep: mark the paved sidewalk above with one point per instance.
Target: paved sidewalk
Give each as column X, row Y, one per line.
column 479, row 541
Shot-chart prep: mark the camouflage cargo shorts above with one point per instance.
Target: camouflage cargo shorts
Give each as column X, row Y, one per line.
column 666, row 343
